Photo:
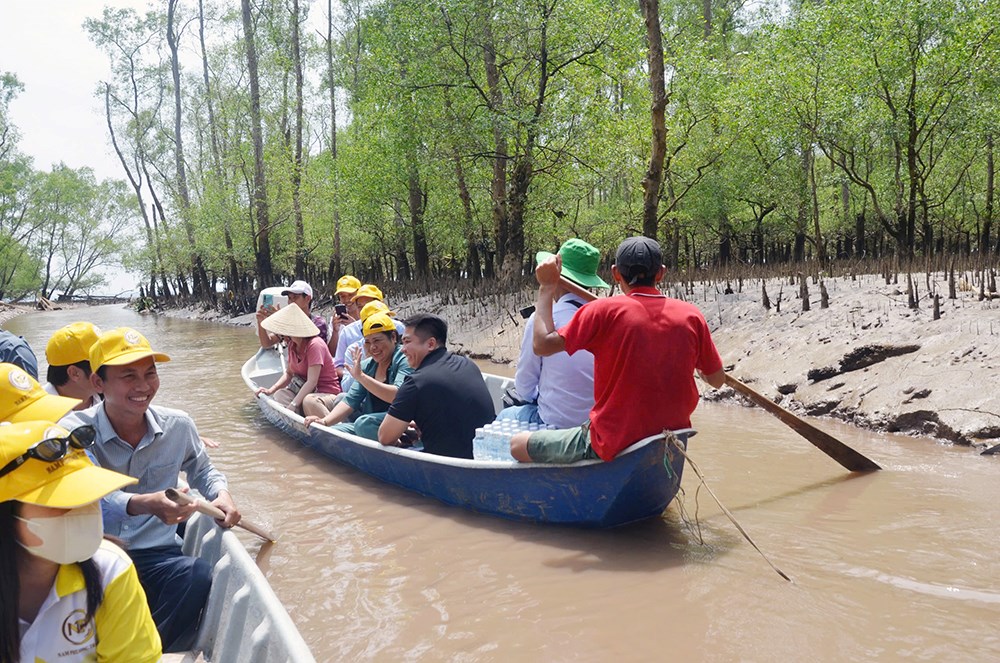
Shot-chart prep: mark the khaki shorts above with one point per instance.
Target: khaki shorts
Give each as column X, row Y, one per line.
column 561, row 446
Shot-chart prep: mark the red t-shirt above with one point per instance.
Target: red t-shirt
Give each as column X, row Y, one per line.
column 316, row 352
column 646, row 348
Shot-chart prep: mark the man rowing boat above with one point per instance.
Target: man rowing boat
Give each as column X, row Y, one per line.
column 153, row 444
column 646, row 347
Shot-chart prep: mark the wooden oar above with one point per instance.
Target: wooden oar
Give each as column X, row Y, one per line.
column 204, row 507
column 832, row 447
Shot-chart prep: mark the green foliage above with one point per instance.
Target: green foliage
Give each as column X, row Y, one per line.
column 490, row 129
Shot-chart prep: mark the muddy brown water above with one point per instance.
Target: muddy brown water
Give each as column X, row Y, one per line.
column 898, row 564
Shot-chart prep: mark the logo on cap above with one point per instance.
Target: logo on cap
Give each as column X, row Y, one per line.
column 132, row 337
column 19, row 379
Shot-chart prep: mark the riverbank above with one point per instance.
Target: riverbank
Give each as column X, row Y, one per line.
column 868, row 359
column 11, row 311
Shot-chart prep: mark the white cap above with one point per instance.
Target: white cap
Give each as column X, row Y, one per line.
column 298, row 288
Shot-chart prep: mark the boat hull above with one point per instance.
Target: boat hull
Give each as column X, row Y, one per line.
column 638, row 484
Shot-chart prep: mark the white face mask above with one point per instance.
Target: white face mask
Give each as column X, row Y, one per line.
column 72, row 537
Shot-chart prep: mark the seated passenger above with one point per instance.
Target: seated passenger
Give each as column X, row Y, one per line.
column 347, row 286
column 23, row 399
column 299, row 293
column 310, row 365
column 68, row 355
column 68, row 595
column 376, row 381
column 15, row 350
column 351, row 333
column 646, row 348
column 445, row 396
column 152, row 444
column 563, row 384
column 369, row 309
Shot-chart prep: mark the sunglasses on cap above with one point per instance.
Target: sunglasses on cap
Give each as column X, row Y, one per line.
column 54, row 448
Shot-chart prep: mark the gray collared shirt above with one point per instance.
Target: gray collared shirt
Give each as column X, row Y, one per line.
column 170, row 445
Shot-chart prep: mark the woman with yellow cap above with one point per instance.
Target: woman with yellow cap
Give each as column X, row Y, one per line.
column 66, row 594
column 376, row 380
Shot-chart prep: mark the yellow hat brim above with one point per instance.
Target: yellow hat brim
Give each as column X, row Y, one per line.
column 82, row 486
column 46, row 408
column 133, row 356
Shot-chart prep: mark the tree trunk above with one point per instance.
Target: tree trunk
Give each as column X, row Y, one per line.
column 653, row 179
column 135, row 179
column 984, row 239
column 331, row 79
column 262, row 239
column 198, row 267
column 814, row 196
column 417, row 202
column 233, row 278
column 300, row 232
column 498, row 184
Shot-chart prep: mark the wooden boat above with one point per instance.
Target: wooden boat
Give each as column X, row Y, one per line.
column 638, row 484
column 243, row 619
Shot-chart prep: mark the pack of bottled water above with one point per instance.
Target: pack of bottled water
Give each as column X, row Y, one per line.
column 492, row 441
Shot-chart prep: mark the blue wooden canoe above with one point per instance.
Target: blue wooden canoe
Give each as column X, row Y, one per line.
column 638, row 484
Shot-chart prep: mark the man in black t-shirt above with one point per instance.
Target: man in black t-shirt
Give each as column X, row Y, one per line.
column 445, row 396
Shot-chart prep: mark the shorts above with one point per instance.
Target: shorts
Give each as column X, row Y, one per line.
column 561, row 446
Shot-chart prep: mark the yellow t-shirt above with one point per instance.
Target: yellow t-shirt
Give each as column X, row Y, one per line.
column 122, row 628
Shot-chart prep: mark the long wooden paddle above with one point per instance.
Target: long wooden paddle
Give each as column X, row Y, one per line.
column 832, row 447
column 215, row 512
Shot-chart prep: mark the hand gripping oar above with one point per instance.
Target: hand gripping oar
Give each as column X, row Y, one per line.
column 832, row 447
column 204, row 507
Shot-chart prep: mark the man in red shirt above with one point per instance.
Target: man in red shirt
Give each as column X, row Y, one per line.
column 646, row 348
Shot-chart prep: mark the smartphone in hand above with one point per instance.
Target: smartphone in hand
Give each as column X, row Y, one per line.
column 340, row 310
column 268, row 300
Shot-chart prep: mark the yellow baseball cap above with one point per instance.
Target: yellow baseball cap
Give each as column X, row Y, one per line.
column 368, row 290
column 71, row 344
column 67, row 483
column 23, row 399
column 373, row 307
column 376, row 323
column 121, row 346
column 347, row 283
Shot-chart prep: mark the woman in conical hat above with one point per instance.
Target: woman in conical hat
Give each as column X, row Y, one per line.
column 310, row 364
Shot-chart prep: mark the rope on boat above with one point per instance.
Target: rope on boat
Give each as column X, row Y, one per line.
column 672, row 441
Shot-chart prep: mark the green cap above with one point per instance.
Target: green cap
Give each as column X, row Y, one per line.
column 579, row 262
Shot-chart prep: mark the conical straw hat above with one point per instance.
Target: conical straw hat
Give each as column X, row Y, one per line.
column 290, row 321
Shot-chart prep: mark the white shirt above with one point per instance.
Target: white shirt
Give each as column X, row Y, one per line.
column 563, row 384
column 122, row 628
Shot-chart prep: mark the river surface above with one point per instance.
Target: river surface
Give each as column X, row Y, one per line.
column 903, row 563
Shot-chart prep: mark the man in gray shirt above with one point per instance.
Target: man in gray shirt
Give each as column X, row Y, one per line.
column 152, row 444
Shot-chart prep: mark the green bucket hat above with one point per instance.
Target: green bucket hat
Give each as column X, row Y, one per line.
column 579, row 263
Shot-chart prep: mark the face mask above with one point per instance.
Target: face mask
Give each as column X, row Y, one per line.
column 72, row 537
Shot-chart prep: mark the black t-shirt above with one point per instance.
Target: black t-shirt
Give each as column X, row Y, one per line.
column 448, row 399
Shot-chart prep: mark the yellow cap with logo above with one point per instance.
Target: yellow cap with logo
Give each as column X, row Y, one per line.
column 347, row 283
column 23, row 399
column 368, row 290
column 65, row 483
column 71, row 344
column 376, row 323
column 373, row 307
column 121, row 346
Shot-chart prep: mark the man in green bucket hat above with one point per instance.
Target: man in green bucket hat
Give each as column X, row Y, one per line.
column 559, row 390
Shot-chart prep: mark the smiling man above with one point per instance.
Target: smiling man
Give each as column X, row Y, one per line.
column 445, row 396
column 152, row 444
